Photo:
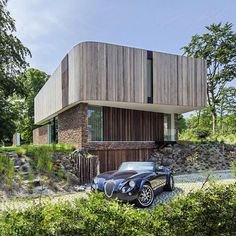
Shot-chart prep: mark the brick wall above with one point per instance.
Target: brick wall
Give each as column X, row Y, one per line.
column 40, row 135
column 72, row 126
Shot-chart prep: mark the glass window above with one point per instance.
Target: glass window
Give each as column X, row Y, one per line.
column 149, row 79
column 53, row 131
column 167, row 127
column 95, row 123
column 147, row 166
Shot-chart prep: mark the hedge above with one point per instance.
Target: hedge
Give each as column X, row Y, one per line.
column 208, row 212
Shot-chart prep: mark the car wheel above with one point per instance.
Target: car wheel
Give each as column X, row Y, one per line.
column 145, row 197
column 170, row 184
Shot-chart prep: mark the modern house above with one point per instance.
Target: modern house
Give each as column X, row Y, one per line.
column 117, row 101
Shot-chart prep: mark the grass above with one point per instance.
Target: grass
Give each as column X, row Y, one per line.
column 27, row 148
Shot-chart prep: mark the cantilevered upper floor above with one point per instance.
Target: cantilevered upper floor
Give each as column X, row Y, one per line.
column 118, row 76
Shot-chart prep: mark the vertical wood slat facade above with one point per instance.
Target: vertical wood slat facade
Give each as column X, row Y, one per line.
column 178, row 80
column 112, row 73
column 65, row 81
column 111, row 159
column 132, row 125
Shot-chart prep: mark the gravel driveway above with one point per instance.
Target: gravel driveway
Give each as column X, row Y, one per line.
column 190, row 182
column 183, row 185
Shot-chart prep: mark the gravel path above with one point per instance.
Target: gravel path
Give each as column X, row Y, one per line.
column 190, row 182
column 183, row 185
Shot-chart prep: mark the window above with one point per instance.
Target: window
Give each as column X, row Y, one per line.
column 95, row 123
column 53, row 131
column 149, row 77
column 167, row 127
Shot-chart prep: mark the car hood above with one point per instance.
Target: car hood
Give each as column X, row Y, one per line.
column 123, row 175
column 120, row 178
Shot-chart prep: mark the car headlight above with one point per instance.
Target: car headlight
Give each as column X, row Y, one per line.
column 95, row 180
column 131, row 184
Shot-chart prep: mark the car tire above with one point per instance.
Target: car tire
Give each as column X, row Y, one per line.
column 145, row 197
column 170, row 184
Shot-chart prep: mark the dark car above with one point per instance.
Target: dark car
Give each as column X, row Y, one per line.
column 136, row 182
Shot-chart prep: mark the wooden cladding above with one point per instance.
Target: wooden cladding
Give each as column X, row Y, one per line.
column 98, row 72
column 111, row 159
column 132, row 125
column 117, row 73
column 179, row 80
column 112, row 73
column 65, row 81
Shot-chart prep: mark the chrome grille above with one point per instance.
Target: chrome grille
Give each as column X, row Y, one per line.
column 109, row 188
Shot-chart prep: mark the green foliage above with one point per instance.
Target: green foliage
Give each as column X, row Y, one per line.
column 198, row 128
column 8, row 114
column 181, row 123
column 10, row 174
column 12, row 63
column 208, row 212
column 34, row 80
column 6, row 171
column 233, row 168
column 218, row 48
column 13, row 54
column 33, row 150
column 202, row 133
column 31, row 180
column 20, row 151
column 3, row 164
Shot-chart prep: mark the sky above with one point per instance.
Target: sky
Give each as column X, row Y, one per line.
column 51, row 28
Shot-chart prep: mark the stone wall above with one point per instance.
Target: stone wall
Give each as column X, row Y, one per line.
column 40, row 135
column 72, row 126
column 187, row 157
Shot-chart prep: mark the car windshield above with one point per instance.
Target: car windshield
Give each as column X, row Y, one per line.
column 146, row 166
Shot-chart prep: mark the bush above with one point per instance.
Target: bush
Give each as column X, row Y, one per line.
column 20, row 151
column 209, row 212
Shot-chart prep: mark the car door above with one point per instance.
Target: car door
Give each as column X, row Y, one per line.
column 160, row 179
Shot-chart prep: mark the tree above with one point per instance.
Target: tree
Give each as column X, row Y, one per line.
column 218, row 48
column 13, row 54
column 227, row 108
column 34, row 81
column 181, row 123
column 7, row 116
column 12, row 62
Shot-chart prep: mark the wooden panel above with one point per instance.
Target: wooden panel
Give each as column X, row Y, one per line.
column 113, row 73
column 111, row 159
column 106, row 72
column 49, row 98
column 65, row 81
column 132, row 125
column 178, row 80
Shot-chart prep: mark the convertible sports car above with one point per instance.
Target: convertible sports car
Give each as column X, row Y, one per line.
column 136, row 182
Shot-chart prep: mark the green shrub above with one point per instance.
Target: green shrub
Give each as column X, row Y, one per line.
column 20, row 151
column 209, row 212
column 233, row 168
column 10, row 174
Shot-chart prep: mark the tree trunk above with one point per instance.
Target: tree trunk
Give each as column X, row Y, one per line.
column 214, row 119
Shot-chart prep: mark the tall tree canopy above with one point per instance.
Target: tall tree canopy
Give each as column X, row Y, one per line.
column 34, row 81
column 12, row 62
column 12, row 54
column 218, row 48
